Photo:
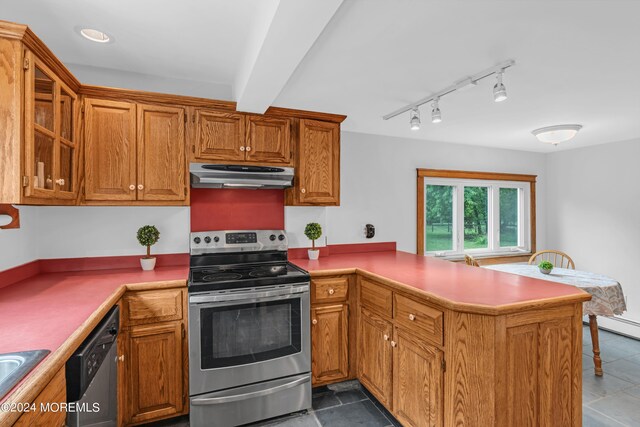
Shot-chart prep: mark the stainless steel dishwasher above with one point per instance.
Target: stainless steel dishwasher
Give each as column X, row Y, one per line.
column 92, row 378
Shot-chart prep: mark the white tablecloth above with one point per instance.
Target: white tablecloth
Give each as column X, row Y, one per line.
column 607, row 297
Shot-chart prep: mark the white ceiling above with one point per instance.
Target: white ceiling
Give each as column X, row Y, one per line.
column 576, row 61
column 200, row 40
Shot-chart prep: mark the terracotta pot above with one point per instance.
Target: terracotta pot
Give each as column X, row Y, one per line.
column 314, row 253
column 148, row 264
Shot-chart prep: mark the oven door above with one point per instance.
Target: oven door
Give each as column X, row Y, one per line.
column 247, row 336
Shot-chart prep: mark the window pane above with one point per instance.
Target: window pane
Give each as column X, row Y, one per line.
column 509, row 217
column 439, row 218
column 475, row 217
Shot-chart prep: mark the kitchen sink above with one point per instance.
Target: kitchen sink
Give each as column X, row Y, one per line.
column 15, row 366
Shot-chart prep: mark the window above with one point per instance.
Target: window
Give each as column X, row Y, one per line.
column 474, row 212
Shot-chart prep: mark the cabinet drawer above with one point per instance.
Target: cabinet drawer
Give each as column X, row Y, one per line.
column 421, row 319
column 330, row 289
column 376, row 297
column 152, row 306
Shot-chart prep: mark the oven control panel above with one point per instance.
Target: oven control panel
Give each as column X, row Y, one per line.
column 237, row 241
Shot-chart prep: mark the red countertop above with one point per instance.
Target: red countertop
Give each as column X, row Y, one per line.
column 44, row 311
column 454, row 283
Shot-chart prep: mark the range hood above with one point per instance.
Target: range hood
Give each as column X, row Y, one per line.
column 205, row 175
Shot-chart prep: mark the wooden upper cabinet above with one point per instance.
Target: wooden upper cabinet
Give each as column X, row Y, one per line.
column 318, row 165
column 162, row 162
column 110, row 150
column 220, row 136
column 375, row 362
column 417, row 382
column 51, row 143
column 268, row 140
column 329, row 343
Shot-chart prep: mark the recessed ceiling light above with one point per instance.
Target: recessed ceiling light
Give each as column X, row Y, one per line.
column 95, row 35
column 556, row 134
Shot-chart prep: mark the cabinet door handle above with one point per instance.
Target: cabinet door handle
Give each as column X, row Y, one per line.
column 242, row 148
column 248, row 148
column 394, row 344
column 302, row 190
column 60, row 181
column 140, row 187
column 385, row 337
column 132, row 187
column 331, row 292
column 412, row 317
column 120, row 358
column 314, row 321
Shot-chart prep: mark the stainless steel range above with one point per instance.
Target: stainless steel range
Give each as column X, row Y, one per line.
column 249, row 332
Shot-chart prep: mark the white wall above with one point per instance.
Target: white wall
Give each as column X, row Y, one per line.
column 378, row 185
column 66, row 232
column 593, row 206
column 17, row 246
column 69, row 232
column 129, row 80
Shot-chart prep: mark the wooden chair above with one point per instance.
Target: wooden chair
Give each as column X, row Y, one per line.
column 557, row 258
column 469, row 260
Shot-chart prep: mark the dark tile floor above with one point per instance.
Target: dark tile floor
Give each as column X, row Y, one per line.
column 614, row 398
column 611, row 400
column 345, row 404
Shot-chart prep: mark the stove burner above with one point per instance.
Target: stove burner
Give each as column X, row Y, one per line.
column 219, row 277
column 265, row 272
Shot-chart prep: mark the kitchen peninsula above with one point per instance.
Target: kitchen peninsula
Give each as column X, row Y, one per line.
column 445, row 342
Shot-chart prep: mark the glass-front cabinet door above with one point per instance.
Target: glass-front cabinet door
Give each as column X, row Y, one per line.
column 50, row 134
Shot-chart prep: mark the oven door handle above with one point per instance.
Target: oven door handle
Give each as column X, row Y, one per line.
column 250, row 395
column 248, row 296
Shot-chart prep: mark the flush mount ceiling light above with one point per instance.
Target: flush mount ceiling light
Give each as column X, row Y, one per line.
column 95, row 35
column 499, row 93
column 415, row 119
column 556, row 134
column 436, row 116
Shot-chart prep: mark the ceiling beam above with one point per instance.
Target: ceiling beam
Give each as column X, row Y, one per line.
column 278, row 48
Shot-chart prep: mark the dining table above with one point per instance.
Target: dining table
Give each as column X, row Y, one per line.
column 607, row 297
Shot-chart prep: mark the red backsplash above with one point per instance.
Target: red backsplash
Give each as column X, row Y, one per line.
column 235, row 209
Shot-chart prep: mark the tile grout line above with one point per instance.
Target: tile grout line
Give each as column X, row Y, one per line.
column 607, row 416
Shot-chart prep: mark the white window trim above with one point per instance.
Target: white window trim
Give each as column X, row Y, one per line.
column 493, row 220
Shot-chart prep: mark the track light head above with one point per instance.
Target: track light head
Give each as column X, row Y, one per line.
column 436, row 116
column 415, row 119
column 499, row 91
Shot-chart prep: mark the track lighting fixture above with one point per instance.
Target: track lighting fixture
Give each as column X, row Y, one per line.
column 499, row 94
column 499, row 91
column 436, row 116
column 415, row 119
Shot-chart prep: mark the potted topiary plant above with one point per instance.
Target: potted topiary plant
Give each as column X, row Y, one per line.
column 313, row 231
column 545, row 267
column 148, row 236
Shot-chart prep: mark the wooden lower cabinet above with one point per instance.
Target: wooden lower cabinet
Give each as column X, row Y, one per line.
column 375, row 361
column 153, row 385
column 50, row 399
column 153, row 367
column 417, row 381
column 329, row 343
column 538, row 372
